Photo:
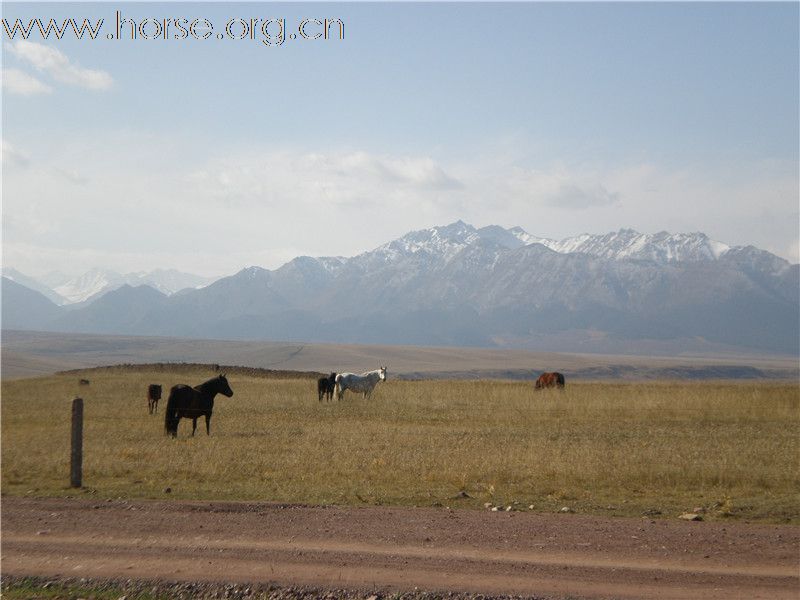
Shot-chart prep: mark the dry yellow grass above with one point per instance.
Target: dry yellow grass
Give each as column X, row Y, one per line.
column 599, row 448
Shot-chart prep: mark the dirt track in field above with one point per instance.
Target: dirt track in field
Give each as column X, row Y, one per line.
column 400, row 549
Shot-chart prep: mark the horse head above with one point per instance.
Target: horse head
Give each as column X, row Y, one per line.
column 223, row 387
column 382, row 373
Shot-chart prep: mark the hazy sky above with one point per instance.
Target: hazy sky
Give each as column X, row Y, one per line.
column 212, row 155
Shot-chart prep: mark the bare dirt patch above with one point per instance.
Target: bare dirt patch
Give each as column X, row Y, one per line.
column 398, row 549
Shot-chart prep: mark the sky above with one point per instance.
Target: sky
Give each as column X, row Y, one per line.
column 211, row 155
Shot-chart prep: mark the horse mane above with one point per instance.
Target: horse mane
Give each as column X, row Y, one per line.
column 206, row 384
column 170, row 414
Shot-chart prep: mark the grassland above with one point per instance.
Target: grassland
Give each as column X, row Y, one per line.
column 34, row 354
column 609, row 449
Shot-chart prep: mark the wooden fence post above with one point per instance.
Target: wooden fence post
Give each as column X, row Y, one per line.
column 76, row 454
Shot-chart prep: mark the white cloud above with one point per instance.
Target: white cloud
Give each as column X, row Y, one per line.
column 793, row 252
column 738, row 204
column 53, row 62
column 560, row 187
column 229, row 211
column 349, row 179
column 71, row 175
column 13, row 155
column 20, row 83
column 215, row 214
column 422, row 172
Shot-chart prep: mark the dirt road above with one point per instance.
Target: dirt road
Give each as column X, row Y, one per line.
column 381, row 548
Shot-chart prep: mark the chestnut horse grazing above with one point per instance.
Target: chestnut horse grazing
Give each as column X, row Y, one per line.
column 548, row 380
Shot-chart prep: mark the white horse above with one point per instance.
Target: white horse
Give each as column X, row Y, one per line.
column 365, row 382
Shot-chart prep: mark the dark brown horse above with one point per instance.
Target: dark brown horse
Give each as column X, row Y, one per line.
column 325, row 386
column 153, row 396
column 549, row 380
column 193, row 402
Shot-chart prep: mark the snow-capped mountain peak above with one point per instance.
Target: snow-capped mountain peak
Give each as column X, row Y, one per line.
column 89, row 284
column 661, row 247
column 458, row 285
column 169, row 281
column 448, row 240
column 427, row 248
column 33, row 284
column 100, row 281
column 527, row 239
column 445, row 241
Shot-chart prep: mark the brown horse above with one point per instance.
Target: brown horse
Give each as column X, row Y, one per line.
column 549, row 380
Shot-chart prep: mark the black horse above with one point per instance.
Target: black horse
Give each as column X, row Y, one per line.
column 325, row 386
column 193, row 402
column 153, row 396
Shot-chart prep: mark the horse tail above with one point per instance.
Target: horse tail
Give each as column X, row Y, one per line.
column 170, row 414
column 321, row 388
column 337, row 387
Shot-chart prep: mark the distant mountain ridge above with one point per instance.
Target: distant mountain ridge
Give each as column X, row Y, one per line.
column 33, row 284
column 459, row 285
column 96, row 282
column 661, row 247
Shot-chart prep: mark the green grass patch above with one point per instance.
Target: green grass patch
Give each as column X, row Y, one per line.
column 33, row 588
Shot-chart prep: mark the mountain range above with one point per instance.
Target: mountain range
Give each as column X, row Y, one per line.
column 621, row 292
column 94, row 283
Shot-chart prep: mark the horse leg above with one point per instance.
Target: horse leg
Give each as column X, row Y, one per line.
column 173, row 427
column 194, row 425
column 208, row 424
